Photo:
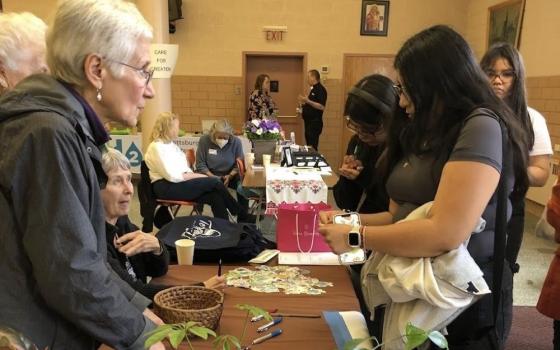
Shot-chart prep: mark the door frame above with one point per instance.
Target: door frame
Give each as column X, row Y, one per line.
column 345, row 56
column 247, row 54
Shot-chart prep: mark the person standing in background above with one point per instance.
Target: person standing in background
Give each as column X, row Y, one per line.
column 313, row 107
column 503, row 65
column 22, row 48
column 260, row 102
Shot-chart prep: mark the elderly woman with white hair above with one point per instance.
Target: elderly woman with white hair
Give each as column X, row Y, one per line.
column 133, row 254
column 57, row 286
column 216, row 156
column 22, row 48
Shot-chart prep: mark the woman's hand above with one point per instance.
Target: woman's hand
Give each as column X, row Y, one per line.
column 138, row 242
column 351, row 167
column 153, row 317
column 336, row 235
column 226, row 179
column 327, row 216
column 216, row 282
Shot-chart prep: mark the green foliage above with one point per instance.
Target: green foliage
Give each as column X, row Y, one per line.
column 227, row 342
column 254, row 311
column 177, row 332
column 414, row 337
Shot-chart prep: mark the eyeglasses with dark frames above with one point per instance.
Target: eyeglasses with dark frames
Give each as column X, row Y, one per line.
column 146, row 74
column 363, row 129
column 505, row 75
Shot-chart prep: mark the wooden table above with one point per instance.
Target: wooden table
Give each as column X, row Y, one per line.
column 257, row 179
column 298, row 333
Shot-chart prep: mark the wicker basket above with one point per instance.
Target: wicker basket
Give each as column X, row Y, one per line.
column 190, row 303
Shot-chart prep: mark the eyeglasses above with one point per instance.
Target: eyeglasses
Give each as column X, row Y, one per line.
column 505, row 75
column 146, row 74
column 363, row 129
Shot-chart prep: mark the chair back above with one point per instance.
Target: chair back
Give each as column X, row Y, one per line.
column 240, row 167
column 191, row 157
column 147, row 198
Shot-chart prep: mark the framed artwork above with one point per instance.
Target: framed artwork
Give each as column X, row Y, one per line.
column 375, row 17
column 504, row 22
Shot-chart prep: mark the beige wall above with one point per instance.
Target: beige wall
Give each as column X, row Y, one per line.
column 540, row 33
column 214, row 33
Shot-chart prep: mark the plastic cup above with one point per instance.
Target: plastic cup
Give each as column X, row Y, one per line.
column 249, row 160
column 185, row 251
column 266, row 160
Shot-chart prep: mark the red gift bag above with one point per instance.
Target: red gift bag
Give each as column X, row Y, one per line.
column 298, row 228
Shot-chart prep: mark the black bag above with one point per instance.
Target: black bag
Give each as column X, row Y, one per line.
column 215, row 239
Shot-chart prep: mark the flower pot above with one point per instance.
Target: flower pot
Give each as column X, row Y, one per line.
column 261, row 147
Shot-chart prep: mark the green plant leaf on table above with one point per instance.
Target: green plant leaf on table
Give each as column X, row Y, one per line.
column 414, row 336
column 438, row 339
column 177, row 332
column 254, row 311
column 157, row 334
column 176, row 336
column 202, row 332
column 227, row 342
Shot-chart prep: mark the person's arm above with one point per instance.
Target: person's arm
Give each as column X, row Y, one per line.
column 52, row 196
column 538, row 170
column 201, row 156
column 314, row 104
column 463, row 193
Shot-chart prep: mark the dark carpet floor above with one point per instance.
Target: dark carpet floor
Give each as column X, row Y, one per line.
column 531, row 330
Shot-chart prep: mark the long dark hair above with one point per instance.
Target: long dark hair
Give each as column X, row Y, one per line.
column 260, row 80
column 517, row 97
column 371, row 101
column 443, row 81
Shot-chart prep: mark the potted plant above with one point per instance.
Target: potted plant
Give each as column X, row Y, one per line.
column 264, row 134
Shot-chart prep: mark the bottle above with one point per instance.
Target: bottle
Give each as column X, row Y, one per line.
column 293, row 137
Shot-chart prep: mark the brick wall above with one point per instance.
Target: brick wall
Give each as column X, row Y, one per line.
column 196, row 98
column 329, row 143
column 544, row 96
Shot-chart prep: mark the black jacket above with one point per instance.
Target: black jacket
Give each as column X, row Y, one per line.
column 143, row 264
column 56, row 286
column 347, row 193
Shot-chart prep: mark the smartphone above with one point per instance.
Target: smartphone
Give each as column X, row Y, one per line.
column 356, row 255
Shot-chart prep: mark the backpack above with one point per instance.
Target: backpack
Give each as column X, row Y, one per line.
column 215, row 239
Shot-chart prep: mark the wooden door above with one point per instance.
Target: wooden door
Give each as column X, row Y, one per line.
column 355, row 67
column 288, row 70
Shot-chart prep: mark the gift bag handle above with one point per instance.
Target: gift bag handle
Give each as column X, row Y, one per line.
column 312, row 236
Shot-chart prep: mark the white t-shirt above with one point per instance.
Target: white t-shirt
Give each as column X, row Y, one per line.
column 166, row 161
column 542, row 143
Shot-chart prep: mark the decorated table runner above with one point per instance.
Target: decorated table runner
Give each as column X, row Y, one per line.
column 291, row 185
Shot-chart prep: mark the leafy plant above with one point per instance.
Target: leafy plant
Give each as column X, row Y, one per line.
column 228, row 342
column 263, row 129
column 414, row 337
column 178, row 332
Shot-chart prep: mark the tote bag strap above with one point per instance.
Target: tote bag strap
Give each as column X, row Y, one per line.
column 312, row 235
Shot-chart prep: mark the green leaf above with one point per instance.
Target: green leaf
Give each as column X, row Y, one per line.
column 157, row 335
column 414, row 336
column 176, row 337
column 202, row 332
column 438, row 339
column 254, row 311
column 226, row 342
column 352, row 344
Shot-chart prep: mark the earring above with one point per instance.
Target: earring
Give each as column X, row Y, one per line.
column 99, row 97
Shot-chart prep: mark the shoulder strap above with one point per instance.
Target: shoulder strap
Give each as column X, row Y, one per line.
column 500, row 225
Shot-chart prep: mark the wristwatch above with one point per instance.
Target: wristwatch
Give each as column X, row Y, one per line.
column 354, row 237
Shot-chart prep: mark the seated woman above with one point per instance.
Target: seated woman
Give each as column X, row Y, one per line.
column 133, row 254
column 368, row 108
column 260, row 103
column 216, row 157
column 172, row 177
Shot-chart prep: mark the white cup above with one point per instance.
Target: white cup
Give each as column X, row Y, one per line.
column 249, row 160
column 266, row 160
column 185, row 251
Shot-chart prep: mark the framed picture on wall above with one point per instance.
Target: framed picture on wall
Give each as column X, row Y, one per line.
column 375, row 17
column 505, row 21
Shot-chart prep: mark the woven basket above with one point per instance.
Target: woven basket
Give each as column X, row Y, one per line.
column 190, row 303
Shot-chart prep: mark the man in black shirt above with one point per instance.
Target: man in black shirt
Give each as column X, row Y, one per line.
column 313, row 107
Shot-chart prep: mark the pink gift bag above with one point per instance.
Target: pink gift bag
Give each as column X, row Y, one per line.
column 298, row 228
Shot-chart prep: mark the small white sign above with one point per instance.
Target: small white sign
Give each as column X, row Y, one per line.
column 164, row 58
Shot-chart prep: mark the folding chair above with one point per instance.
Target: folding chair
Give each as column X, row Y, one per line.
column 257, row 199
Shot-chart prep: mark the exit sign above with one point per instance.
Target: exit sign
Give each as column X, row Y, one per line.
column 275, row 33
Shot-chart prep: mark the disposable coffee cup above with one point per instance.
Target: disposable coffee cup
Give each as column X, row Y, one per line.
column 266, row 160
column 185, row 251
column 249, row 160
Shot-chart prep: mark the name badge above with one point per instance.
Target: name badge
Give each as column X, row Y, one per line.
column 213, row 152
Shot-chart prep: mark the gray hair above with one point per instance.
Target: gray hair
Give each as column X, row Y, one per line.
column 110, row 28
column 221, row 125
column 19, row 31
column 114, row 160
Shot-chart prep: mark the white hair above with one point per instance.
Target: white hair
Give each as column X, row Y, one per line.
column 221, row 125
column 18, row 32
column 112, row 159
column 110, row 28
